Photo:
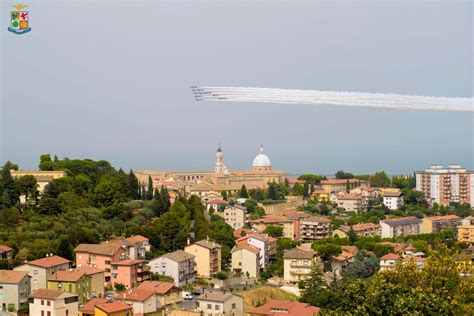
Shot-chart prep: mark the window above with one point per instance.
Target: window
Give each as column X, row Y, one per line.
column 217, row 307
column 233, row 306
column 209, row 306
column 42, row 313
column 67, row 312
column 49, row 313
column 35, row 272
column 107, row 261
column 42, row 302
column 48, row 303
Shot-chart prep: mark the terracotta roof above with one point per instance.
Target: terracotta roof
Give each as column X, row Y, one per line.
column 297, row 253
column 5, row 248
column 90, row 270
column 207, row 244
column 295, row 214
column 238, row 232
column 67, row 276
column 390, row 256
column 350, row 249
column 247, row 247
column 402, row 220
column 136, row 294
column 415, row 259
column 178, row 256
column 216, row 201
column 51, row 294
column 392, row 193
column 348, row 196
column 128, row 262
column 278, row 307
column 157, row 286
column 90, row 305
column 49, row 262
column 136, row 239
column 113, row 307
column 270, row 219
column 107, row 249
column 343, row 256
column 396, row 247
column 11, row 276
column 317, row 219
column 364, row 226
column 215, row 296
column 442, row 218
column 341, row 181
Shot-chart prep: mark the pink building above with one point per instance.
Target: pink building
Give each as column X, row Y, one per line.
column 130, row 272
column 99, row 256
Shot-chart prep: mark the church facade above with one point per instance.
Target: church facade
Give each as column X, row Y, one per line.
column 202, row 182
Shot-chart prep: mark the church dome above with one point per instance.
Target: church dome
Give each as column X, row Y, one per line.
column 261, row 160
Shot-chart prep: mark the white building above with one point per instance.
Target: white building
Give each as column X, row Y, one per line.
column 389, row 261
column 46, row 302
column 235, row 216
column 403, row 226
column 393, row 199
column 443, row 185
column 179, row 265
column 220, row 303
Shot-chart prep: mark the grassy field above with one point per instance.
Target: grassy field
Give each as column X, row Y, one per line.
column 264, row 294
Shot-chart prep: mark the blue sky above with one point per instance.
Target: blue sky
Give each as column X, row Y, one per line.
column 110, row 80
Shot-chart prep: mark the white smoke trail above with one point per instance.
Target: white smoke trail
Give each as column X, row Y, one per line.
column 337, row 98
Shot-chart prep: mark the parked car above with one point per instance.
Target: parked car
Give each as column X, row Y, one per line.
column 197, row 292
column 187, row 295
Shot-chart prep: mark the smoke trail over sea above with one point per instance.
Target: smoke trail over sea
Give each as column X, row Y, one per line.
column 334, row 98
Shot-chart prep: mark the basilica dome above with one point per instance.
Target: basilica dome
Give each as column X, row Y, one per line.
column 261, row 161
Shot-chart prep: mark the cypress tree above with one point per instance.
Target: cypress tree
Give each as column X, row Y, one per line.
column 134, row 186
column 243, row 192
column 165, row 198
column 149, row 192
column 9, row 189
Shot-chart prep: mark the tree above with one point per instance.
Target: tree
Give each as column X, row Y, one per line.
column 274, row 231
column 10, row 194
column 306, row 190
column 173, row 227
column 297, row 189
column 275, row 191
column 363, row 266
column 380, row 179
column 65, row 248
column 224, row 195
column 165, row 198
column 344, row 175
column 327, row 250
column 243, row 192
column 49, row 206
column 149, row 192
column 352, row 235
column 27, row 186
column 316, row 291
column 134, row 185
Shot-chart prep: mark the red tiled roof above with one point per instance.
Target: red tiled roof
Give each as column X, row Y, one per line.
column 343, row 256
column 49, row 262
column 350, row 249
column 269, row 219
column 113, row 307
column 278, row 307
column 157, row 286
column 136, row 294
column 136, row 239
column 317, row 219
column 248, row 247
column 364, row 226
column 128, row 262
column 11, row 276
column 415, row 259
column 5, row 248
column 390, row 256
column 50, row 294
column 442, row 218
column 67, row 276
column 90, row 305
column 340, row 181
column 238, row 232
column 216, row 201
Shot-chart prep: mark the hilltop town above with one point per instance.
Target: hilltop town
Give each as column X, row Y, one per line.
column 79, row 237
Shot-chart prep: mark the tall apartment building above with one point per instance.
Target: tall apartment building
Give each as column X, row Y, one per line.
column 443, row 185
column 434, row 224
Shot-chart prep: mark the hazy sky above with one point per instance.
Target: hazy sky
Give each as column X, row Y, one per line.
column 110, row 80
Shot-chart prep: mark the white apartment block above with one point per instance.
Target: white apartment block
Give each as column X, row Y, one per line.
column 403, row 226
column 443, row 185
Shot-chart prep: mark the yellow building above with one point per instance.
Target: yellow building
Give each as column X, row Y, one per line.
column 115, row 308
column 466, row 230
column 72, row 281
column 272, row 220
column 208, row 257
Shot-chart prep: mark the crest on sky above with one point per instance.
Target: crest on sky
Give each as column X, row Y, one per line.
column 19, row 20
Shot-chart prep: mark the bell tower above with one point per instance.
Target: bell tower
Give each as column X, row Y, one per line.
column 219, row 167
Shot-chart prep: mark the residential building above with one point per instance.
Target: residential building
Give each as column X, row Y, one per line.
column 135, row 246
column 88, row 309
column 220, row 303
column 298, row 263
column 418, row 261
column 142, row 301
column 15, row 288
column 266, row 244
column 207, row 257
column 166, row 292
column 393, row 199
column 215, row 204
column 341, row 261
column 400, row 248
column 235, row 216
column 41, row 269
column 466, row 230
column 403, row 226
column 349, row 202
column 315, row 227
column 389, row 261
column 45, row 302
column 42, row 177
column 129, row 272
column 341, row 185
column 434, row 224
column 246, row 260
column 279, row 308
column 179, row 265
column 296, row 217
column 444, row 185
column 362, row 230
column 241, row 232
column 74, row 281
column 99, row 256
column 114, row 308
column 97, row 277
column 6, row 253
column 286, row 224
